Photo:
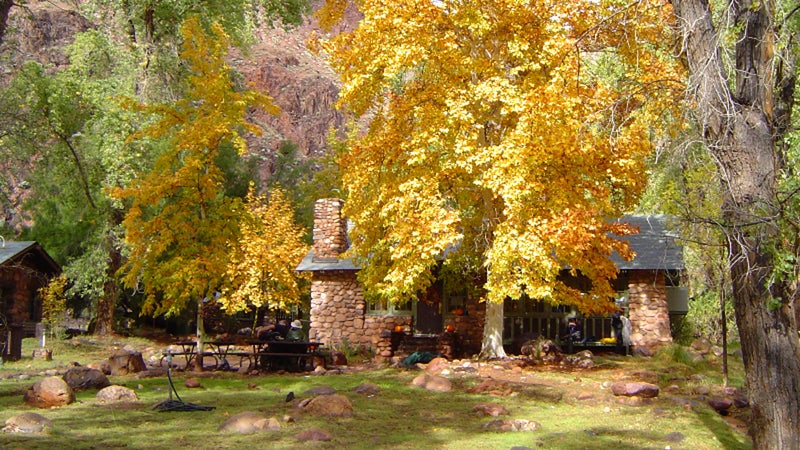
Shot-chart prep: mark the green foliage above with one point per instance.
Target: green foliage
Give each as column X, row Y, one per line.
column 63, row 127
column 238, row 171
column 355, row 353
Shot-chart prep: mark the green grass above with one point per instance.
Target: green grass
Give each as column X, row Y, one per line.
column 398, row 417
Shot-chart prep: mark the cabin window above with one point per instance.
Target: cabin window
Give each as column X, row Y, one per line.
column 387, row 308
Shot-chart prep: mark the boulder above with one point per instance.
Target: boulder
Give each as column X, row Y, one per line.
column 102, row 366
column 112, row 394
column 27, row 422
column 124, row 363
column 83, row 378
column 249, row 422
column 49, row 392
column 542, row 350
column 437, row 366
column 720, row 404
column 512, row 425
column 490, row 409
column 638, row 389
column 433, row 383
column 702, row 346
column 583, row 360
column 192, row 383
column 333, row 405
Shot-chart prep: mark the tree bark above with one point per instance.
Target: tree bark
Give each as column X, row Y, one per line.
column 108, row 301
column 201, row 337
column 492, row 345
column 740, row 131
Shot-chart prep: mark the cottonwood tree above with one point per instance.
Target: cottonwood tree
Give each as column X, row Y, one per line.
column 180, row 221
column 502, row 133
column 744, row 94
column 61, row 131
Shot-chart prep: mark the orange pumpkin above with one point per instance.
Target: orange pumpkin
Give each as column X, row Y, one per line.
column 398, row 328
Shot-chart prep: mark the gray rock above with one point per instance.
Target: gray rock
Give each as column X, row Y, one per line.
column 630, row 389
column 27, row 422
column 249, row 422
column 512, row 425
column 83, row 378
column 112, row 394
column 490, row 409
column 433, row 383
column 333, row 405
column 720, row 404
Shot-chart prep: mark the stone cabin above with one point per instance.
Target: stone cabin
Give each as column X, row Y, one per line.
column 24, row 268
column 446, row 320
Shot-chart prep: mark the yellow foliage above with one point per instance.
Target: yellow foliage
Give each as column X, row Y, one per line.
column 54, row 300
column 495, row 130
column 263, row 261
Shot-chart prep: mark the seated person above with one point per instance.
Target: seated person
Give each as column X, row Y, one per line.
column 296, row 332
column 574, row 330
column 272, row 331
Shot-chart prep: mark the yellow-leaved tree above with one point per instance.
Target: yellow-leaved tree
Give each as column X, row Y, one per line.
column 502, row 133
column 262, row 265
column 180, row 222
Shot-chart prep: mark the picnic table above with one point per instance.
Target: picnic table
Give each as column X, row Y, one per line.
column 284, row 355
column 217, row 350
column 267, row 355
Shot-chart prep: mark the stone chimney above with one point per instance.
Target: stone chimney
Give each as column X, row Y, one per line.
column 330, row 230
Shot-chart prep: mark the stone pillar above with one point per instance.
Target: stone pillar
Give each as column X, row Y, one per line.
column 330, row 230
column 648, row 312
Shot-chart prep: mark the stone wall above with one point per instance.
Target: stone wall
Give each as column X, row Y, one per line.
column 648, row 313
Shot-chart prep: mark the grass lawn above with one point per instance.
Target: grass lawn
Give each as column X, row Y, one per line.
column 575, row 409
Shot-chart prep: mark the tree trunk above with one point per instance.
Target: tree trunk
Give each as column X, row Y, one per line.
column 108, row 302
column 740, row 131
column 492, row 345
column 201, row 336
column 104, row 326
column 769, row 350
